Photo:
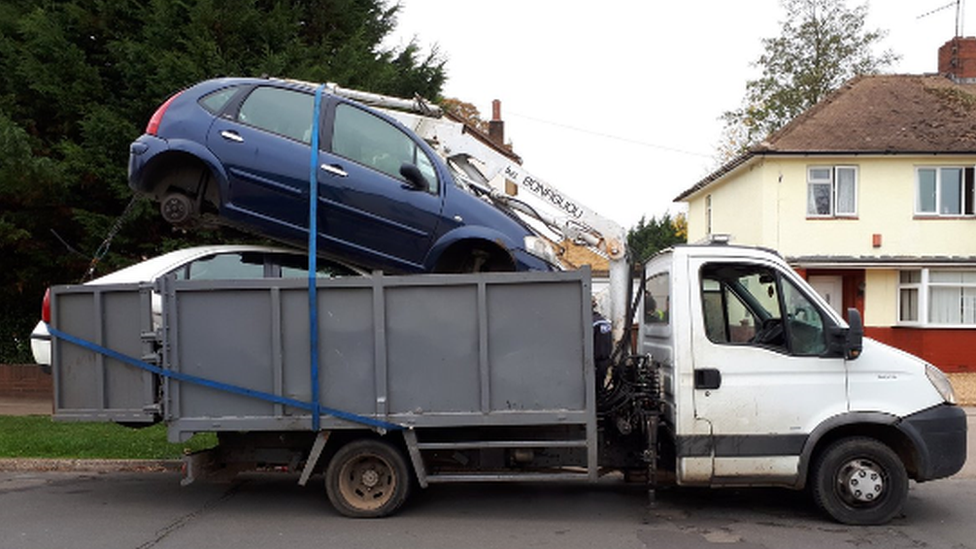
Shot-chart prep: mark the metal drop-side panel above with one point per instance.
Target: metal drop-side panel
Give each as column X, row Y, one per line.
column 89, row 386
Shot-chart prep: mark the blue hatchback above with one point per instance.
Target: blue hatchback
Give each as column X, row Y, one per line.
column 239, row 149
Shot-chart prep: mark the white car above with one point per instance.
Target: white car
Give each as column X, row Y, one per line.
column 218, row 262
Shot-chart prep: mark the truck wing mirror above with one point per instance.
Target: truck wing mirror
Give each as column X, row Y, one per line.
column 855, row 334
column 846, row 342
column 414, row 178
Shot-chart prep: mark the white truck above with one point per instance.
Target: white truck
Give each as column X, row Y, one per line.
column 742, row 375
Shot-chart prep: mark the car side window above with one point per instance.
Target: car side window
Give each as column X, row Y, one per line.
column 285, row 112
column 373, row 142
column 215, row 101
column 294, row 266
column 229, row 266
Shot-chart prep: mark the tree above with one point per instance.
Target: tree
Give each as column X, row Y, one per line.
column 822, row 45
column 467, row 112
column 79, row 79
column 649, row 237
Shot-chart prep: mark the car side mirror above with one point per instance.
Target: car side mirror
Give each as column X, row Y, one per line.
column 414, row 178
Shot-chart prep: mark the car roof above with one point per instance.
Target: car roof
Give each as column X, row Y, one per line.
column 151, row 269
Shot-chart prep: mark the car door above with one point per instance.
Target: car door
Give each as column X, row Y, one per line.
column 366, row 205
column 264, row 147
column 763, row 379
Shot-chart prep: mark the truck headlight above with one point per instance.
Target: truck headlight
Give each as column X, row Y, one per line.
column 540, row 248
column 941, row 383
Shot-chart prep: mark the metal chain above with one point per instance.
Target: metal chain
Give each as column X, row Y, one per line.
column 107, row 243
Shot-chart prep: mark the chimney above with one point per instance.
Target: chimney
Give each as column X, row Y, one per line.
column 496, row 127
column 957, row 60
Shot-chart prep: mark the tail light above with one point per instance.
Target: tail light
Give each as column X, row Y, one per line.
column 46, row 307
column 157, row 116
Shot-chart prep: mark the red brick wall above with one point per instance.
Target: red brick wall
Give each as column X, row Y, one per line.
column 950, row 350
column 24, row 380
column 957, row 57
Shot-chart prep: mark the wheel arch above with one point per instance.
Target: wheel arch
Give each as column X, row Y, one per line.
column 455, row 245
column 183, row 156
column 341, row 437
column 875, row 425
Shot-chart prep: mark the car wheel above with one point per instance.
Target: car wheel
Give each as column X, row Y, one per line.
column 178, row 209
column 860, row 481
column 481, row 260
column 367, row 478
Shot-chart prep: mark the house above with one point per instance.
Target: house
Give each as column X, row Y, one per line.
column 870, row 196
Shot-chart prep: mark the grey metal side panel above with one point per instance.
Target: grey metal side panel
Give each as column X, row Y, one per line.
column 536, row 347
column 225, row 338
column 347, row 379
column 432, row 349
column 425, row 350
column 87, row 385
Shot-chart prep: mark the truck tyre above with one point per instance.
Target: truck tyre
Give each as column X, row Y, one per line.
column 860, row 481
column 367, row 478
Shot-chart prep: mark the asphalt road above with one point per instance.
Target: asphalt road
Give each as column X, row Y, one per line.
column 151, row 510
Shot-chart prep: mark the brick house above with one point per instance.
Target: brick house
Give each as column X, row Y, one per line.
column 871, row 195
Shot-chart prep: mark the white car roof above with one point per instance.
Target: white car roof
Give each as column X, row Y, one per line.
column 151, row 269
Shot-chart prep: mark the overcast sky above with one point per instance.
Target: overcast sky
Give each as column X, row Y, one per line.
column 617, row 102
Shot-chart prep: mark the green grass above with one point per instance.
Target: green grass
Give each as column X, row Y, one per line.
column 40, row 437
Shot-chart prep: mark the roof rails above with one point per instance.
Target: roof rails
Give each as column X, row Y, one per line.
column 418, row 104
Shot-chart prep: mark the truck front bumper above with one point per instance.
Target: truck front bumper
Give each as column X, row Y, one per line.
column 939, row 434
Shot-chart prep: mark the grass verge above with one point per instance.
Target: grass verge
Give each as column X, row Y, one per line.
column 40, row 437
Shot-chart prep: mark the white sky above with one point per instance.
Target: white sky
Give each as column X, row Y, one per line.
column 617, row 102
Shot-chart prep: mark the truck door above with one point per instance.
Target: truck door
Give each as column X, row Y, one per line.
column 763, row 379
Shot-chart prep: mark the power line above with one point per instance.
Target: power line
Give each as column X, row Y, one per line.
column 609, row 136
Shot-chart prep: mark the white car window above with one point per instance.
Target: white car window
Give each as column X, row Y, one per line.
column 229, row 266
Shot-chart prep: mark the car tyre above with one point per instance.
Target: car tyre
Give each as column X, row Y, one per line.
column 178, row 209
column 860, row 481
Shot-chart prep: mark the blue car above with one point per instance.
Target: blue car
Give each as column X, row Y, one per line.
column 238, row 150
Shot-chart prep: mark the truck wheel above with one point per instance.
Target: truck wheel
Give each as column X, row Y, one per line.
column 860, row 481
column 367, row 478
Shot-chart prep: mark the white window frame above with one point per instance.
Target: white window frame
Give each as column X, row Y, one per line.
column 968, row 202
column 924, row 288
column 834, row 184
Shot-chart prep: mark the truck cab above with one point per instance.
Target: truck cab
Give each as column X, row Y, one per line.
column 764, row 384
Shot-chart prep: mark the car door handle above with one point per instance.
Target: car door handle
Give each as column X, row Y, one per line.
column 334, row 170
column 708, row 378
column 232, row 136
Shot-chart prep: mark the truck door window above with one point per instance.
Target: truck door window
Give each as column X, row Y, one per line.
column 657, row 299
column 745, row 304
column 741, row 305
column 805, row 324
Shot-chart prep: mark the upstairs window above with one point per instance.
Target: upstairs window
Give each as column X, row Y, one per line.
column 944, row 191
column 832, row 191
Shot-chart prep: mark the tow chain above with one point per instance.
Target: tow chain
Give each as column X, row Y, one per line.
column 102, row 250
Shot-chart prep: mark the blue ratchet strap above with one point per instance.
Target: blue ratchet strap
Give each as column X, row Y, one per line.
column 313, row 230
column 313, row 407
